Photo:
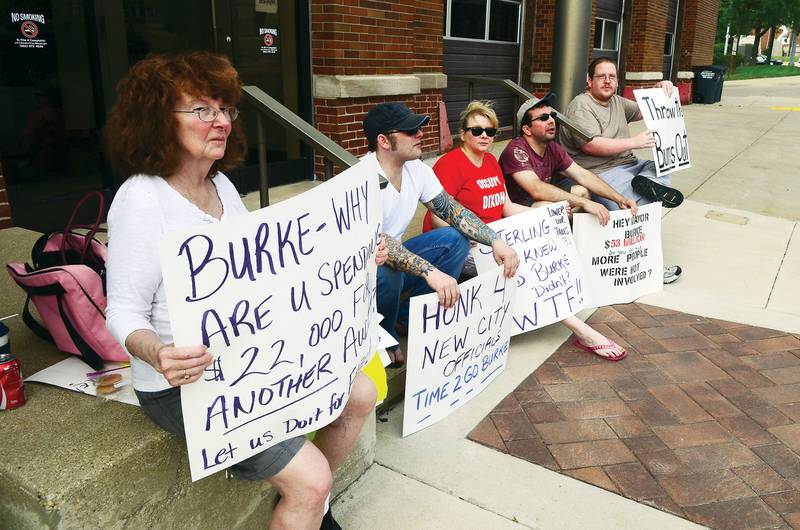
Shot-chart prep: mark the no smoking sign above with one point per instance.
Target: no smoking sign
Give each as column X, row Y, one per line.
column 29, row 30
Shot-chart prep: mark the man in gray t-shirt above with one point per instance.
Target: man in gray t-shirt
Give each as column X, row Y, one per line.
column 605, row 116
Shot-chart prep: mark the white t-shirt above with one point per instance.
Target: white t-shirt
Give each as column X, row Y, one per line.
column 419, row 184
column 144, row 208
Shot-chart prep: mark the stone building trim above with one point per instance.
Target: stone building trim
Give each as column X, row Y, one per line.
column 365, row 86
column 540, row 78
column 644, row 76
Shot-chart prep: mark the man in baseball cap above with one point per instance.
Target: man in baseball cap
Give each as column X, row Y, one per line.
column 388, row 117
column 532, row 160
column 430, row 261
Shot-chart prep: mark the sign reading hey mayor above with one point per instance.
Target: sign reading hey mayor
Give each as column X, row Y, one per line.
column 284, row 298
column 664, row 116
column 454, row 353
column 549, row 280
column 622, row 260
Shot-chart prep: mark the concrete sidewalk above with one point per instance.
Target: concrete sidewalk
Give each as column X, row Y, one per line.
column 735, row 239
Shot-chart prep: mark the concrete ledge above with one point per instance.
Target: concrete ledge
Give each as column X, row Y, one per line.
column 685, row 75
column 540, row 77
column 431, row 80
column 644, row 76
column 362, row 86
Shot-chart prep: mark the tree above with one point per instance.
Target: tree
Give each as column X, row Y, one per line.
column 757, row 15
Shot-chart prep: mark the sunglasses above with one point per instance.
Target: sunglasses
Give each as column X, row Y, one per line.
column 410, row 132
column 477, row 131
column 544, row 117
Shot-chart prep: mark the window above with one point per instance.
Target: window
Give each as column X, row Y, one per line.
column 491, row 20
column 606, row 34
column 668, row 44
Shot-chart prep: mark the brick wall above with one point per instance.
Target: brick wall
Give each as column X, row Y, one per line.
column 648, row 26
column 341, row 120
column 699, row 32
column 5, row 207
column 542, row 19
column 367, row 37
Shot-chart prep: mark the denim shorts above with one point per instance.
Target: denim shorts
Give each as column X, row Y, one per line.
column 164, row 408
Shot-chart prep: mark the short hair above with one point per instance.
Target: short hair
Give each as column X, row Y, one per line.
column 599, row 60
column 481, row 108
column 141, row 134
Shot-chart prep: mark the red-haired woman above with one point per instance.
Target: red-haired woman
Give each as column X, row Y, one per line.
column 472, row 176
column 172, row 132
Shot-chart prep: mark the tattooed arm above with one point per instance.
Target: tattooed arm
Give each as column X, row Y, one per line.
column 403, row 260
column 466, row 222
column 460, row 218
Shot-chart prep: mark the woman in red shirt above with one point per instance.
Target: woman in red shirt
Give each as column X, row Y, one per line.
column 472, row 176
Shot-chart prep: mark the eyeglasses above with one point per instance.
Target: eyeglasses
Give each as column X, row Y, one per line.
column 410, row 132
column 603, row 77
column 209, row 114
column 477, row 131
column 544, row 117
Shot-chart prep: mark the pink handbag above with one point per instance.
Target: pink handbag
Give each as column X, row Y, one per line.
column 66, row 283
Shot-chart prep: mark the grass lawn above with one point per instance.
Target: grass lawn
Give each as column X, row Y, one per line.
column 763, row 70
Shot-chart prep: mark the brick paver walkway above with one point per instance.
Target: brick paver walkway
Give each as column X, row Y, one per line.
column 702, row 419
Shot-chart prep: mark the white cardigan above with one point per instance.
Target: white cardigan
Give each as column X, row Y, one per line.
column 144, row 208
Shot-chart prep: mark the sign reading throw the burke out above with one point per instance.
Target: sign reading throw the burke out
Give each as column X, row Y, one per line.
column 549, row 278
column 622, row 260
column 284, row 298
column 455, row 353
column 664, row 115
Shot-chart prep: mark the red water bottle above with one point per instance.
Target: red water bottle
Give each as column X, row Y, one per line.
column 12, row 387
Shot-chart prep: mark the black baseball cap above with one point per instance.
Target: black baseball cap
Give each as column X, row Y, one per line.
column 386, row 117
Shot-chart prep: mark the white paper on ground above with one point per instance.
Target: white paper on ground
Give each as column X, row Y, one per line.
column 71, row 374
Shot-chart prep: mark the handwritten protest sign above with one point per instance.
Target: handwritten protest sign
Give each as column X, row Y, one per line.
column 285, row 299
column 549, row 279
column 665, row 116
column 622, row 260
column 453, row 354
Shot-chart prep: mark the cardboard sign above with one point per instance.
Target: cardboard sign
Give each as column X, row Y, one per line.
column 284, row 298
column 550, row 284
column 665, row 116
column 622, row 260
column 453, row 354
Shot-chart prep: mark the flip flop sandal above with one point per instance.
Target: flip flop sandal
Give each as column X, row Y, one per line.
column 594, row 349
column 650, row 189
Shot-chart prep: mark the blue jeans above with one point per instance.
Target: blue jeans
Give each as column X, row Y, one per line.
column 445, row 248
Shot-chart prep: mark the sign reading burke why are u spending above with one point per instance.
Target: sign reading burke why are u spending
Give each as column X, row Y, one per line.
column 284, row 298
